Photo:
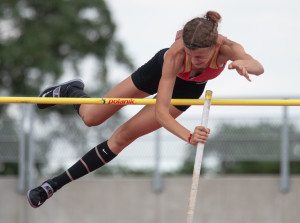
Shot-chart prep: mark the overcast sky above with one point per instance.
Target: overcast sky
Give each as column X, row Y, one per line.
column 269, row 30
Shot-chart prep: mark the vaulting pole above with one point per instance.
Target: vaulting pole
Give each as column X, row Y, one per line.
column 198, row 161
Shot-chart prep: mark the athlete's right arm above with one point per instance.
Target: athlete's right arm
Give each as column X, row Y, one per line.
column 164, row 94
column 170, row 69
column 173, row 64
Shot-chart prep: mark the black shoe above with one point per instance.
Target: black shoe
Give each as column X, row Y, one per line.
column 59, row 90
column 39, row 195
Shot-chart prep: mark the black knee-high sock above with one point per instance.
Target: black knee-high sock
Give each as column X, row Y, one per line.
column 95, row 158
column 74, row 92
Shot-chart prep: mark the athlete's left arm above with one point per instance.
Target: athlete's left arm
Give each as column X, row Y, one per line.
column 242, row 62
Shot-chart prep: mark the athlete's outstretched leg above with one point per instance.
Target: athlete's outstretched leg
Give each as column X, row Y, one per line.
column 72, row 89
column 142, row 123
column 92, row 114
column 92, row 160
column 95, row 114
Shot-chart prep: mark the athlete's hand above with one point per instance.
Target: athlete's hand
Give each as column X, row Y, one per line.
column 200, row 135
column 237, row 65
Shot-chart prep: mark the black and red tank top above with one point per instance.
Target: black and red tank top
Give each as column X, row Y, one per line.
column 212, row 71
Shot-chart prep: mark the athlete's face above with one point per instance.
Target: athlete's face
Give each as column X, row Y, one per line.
column 200, row 57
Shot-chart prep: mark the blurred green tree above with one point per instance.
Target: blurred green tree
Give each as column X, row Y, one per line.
column 38, row 37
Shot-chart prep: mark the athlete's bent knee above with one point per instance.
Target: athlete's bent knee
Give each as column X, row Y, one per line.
column 90, row 121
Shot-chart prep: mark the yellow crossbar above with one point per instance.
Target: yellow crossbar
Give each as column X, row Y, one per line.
column 143, row 101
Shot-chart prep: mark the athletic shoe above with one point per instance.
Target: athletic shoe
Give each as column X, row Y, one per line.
column 59, row 90
column 39, row 195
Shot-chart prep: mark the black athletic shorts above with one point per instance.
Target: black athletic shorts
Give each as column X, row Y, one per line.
column 147, row 78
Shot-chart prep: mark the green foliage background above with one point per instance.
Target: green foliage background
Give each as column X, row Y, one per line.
column 247, row 149
column 37, row 39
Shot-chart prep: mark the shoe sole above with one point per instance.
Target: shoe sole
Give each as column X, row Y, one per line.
column 74, row 83
column 28, row 198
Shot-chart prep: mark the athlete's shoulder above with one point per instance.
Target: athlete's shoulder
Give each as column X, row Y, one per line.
column 174, row 57
column 176, row 50
column 229, row 48
column 232, row 50
column 178, row 34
